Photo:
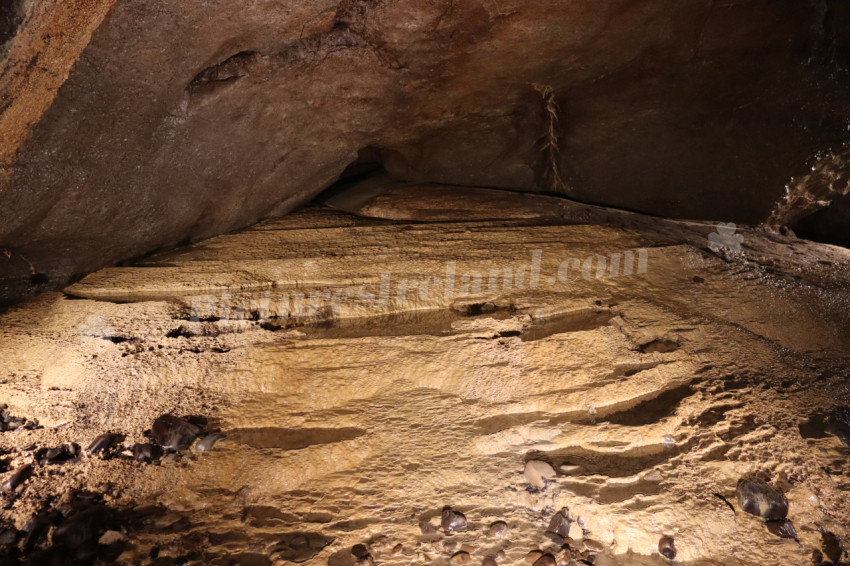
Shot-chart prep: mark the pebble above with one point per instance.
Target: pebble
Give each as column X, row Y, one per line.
column 782, row 529
column 206, row 443
column 174, row 433
column 593, row 545
column 545, row 560
column 8, row 422
column 452, row 521
column 488, row 561
column 667, row 547
column 461, row 557
column 360, row 552
column 537, row 473
column 146, row 452
column 18, row 478
column 555, row 538
column 57, row 455
column 560, row 523
column 498, row 529
column 757, row 497
column 104, row 442
column 533, row 556
column 398, row 548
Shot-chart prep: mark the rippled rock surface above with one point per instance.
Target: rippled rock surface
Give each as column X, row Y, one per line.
column 352, row 422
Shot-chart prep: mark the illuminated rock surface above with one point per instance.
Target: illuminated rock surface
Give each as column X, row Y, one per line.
column 129, row 126
column 650, row 394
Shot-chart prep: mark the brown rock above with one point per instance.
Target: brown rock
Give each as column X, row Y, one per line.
column 452, row 521
column 560, row 523
column 593, row 545
column 667, row 547
column 498, row 529
column 210, row 117
column 545, row 560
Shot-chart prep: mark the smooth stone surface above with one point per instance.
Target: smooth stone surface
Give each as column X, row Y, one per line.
column 173, row 433
column 757, row 497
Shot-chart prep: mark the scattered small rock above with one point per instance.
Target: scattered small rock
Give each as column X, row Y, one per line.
column 782, row 529
column 533, row 556
column 498, row 529
column 452, row 521
column 104, row 443
column 757, row 497
column 8, row 422
column 488, row 561
column 360, row 552
column 461, row 557
column 545, row 560
column 427, row 528
column 667, row 547
column 174, row 433
column 17, row 479
column 58, row 455
column 560, row 523
column 146, row 452
column 537, row 473
column 593, row 545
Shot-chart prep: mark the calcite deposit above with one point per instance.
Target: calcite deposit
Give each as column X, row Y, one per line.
column 356, row 428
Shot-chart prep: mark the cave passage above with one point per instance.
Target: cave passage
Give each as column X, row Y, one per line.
column 385, row 282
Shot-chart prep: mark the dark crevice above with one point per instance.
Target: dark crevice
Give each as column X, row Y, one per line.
column 12, row 14
column 652, row 410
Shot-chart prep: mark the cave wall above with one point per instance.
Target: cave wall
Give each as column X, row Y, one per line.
column 130, row 126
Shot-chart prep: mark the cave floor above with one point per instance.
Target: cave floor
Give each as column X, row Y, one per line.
column 366, row 377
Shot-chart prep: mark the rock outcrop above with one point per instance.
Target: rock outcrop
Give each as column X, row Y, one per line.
column 130, row 126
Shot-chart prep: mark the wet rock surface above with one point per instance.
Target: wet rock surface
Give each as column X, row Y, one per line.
column 330, row 445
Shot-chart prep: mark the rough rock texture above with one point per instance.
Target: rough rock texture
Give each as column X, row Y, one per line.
column 650, row 394
column 181, row 120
